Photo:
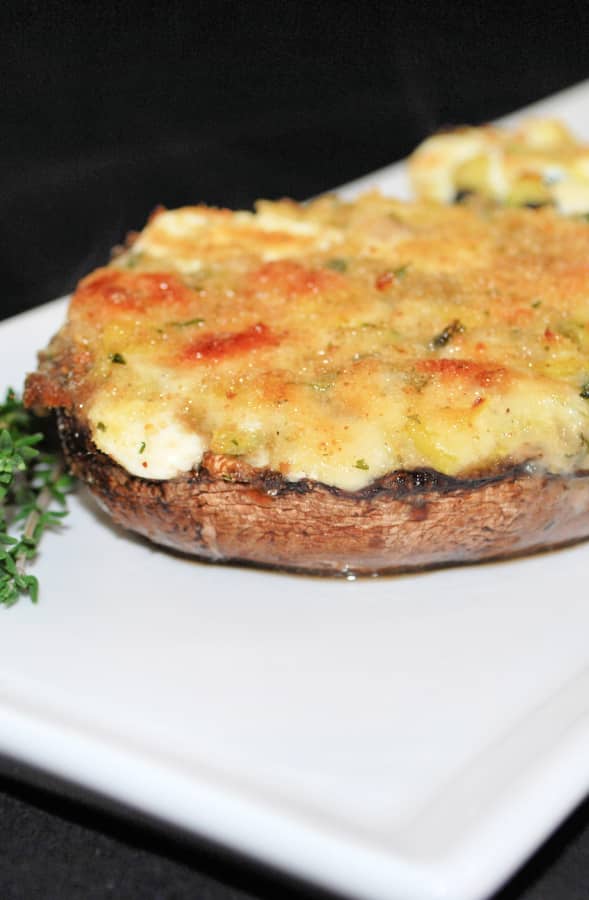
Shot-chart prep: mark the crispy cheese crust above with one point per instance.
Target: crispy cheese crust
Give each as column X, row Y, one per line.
column 335, row 341
column 538, row 163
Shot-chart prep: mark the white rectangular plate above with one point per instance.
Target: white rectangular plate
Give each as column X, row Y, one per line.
column 410, row 738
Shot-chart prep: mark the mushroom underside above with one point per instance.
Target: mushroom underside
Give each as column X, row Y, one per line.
column 227, row 511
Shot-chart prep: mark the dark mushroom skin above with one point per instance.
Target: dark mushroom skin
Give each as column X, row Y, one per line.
column 228, row 511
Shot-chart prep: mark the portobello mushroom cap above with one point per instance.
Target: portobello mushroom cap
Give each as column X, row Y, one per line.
column 229, row 511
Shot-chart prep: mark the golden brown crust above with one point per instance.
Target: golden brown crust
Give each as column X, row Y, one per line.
column 377, row 336
column 228, row 511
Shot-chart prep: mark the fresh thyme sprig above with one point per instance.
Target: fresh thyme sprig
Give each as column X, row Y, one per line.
column 32, row 480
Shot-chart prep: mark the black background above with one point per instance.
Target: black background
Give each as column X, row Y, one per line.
column 110, row 109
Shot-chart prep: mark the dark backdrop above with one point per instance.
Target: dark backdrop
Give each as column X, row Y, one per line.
column 111, row 108
column 108, row 109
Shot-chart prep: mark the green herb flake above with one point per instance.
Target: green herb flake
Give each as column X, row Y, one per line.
column 536, row 304
column 100, row 426
column 401, row 271
column 133, row 260
column 337, row 264
column 584, row 393
column 449, row 332
column 117, row 358
column 361, row 464
column 189, row 322
column 142, row 447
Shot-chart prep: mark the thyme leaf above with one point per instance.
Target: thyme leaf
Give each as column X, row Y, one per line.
column 32, row 483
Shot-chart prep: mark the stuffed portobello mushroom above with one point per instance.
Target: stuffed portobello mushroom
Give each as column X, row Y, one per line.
column 337, row 387
column 538, row 163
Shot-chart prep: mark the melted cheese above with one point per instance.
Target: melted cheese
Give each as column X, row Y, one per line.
column 538, row 163
column 334, row 341
column 143, row 438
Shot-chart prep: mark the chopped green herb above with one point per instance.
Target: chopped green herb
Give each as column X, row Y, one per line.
column 445, row 336
column 142, row 447
column 337, row 265
column 32, row 480
column 100, row 426
column 235, row 442
column 585, row 391
column 361, row 464
column 322, row 386
column 117, row 358
column 401, row 271
column 133, row 260
column 536, row 304
column 197, row 321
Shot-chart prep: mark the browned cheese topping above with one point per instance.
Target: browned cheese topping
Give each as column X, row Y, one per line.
column 334, row 341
